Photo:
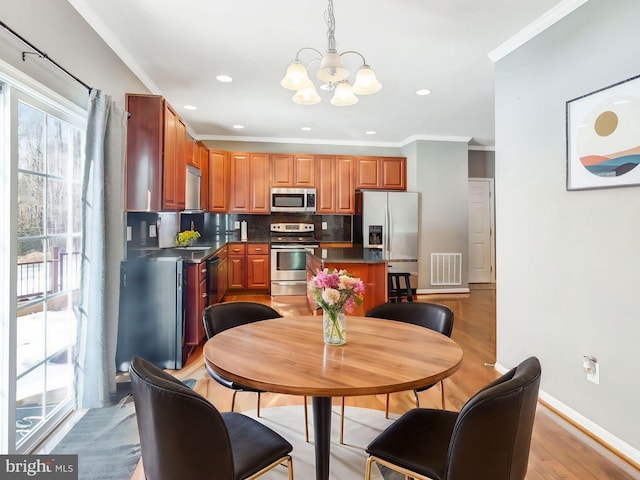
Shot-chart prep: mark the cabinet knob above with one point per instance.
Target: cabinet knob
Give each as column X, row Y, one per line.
column 204, row 295
column 204, row 270
column 258, row 249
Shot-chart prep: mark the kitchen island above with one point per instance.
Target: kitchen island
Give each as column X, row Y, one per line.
column 369, row 264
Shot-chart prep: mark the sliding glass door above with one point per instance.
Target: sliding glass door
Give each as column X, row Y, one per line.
column 44, row 241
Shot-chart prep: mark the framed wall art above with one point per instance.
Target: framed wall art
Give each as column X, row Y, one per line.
column 603, row 137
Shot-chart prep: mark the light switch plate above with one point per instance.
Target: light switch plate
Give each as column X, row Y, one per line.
column 324, row 225
column 128, row 233
column 236, row 225
column 152, row 231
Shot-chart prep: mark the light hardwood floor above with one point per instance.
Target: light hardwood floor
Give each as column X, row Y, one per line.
column 558, row 450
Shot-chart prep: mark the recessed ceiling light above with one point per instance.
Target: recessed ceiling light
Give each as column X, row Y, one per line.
column 238, row 126
column 423, row 91
column 370, row 132
column 224, row 78
column 306, row 129
column 190, row 107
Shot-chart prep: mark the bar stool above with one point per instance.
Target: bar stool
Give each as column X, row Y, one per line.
column 395, row 291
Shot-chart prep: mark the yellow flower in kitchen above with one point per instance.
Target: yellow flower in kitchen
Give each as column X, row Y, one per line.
column 186, row 237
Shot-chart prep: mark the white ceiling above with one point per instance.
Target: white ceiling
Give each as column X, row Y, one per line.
column 178, row 47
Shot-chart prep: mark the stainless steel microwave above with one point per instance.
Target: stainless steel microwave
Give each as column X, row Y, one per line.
column 293, row 200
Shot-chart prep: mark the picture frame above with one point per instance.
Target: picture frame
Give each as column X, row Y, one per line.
column 603, row 137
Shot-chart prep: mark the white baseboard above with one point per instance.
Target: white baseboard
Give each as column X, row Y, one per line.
column 441, row 290
column 603, row 436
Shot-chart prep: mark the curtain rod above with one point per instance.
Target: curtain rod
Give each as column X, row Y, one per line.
column 41, row 54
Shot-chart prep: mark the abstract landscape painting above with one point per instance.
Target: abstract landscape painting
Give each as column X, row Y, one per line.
column 603, row 137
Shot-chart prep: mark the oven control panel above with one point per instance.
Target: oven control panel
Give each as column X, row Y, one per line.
column 292, row 227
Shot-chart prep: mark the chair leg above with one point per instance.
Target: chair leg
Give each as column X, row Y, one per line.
column 290, row 467
column 306, row 421
column 233, row 400
column 386, row 408
column 415, row 394
column 367, row 473
column 442, row 392
column 342, row 423
column 258, row 407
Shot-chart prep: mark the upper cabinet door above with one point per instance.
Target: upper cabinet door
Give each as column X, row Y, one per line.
column 239, row 183
column 170, row 193
column 326, row 185
column 144, row 162
column 292, row 170
column 260, row 181
column 394, row 173
column 387, row 173
column 345, row 186
column 218, row 181
column 368, row 172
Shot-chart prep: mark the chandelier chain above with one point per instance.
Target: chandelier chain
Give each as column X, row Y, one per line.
column 331, row 27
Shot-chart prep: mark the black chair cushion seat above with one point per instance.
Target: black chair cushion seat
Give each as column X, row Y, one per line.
column 253, row 444
column 419, row 441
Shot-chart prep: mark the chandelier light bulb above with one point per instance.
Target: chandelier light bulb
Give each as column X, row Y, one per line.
column 295, row 77
column 307, row 96
column 343, row 95
column 366, row 82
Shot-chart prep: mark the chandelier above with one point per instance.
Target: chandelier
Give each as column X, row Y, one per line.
column 332, row 73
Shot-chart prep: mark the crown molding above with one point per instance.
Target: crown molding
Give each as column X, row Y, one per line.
column 114, row 43
column 303, row 141
column 434, row 138
column 483, row 148
column 539, row 25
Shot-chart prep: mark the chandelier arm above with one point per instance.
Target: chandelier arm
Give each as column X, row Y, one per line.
column 309, row 48
column 364, row 61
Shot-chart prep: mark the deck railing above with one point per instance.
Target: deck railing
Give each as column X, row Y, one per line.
column 60, row 273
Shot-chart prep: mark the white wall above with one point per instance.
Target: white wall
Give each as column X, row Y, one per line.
column 438, row 170
column 56, row 28
column 569, row 261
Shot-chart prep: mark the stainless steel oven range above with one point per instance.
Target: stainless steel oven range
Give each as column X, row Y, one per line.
column 289, row 245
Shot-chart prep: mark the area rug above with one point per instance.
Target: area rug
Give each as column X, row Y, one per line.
column 108, row 447
column 348, row 461
column 105, row 439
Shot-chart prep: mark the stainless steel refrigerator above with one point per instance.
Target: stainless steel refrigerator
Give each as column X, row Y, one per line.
column 388, row 220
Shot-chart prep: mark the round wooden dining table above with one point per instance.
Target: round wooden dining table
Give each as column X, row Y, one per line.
column 288, row 355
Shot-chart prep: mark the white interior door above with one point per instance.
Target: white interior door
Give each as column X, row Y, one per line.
column 481, row 240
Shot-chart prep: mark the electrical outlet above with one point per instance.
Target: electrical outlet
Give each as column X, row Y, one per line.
column 324, row 225
column 594, row 375
column 236, row 225
column 152, row 231
column 128, row 233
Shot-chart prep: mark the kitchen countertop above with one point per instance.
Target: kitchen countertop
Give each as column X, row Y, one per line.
column 355, row 255
column 198, row 253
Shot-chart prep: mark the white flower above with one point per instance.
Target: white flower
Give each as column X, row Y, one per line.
column 331, row 296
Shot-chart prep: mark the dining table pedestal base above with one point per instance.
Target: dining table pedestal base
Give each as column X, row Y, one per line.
column 322, row 435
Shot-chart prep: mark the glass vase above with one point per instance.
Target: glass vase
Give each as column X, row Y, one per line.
column 334, row 327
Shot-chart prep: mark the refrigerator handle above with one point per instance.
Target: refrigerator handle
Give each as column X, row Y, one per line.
column 389, row 227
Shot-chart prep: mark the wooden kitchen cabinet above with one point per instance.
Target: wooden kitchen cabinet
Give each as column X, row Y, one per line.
column 197, row 301
column 156, row 155
column 335, row 184
column 218, row 181
column 250, row 176
column 258, row 273
column 388, row 173
column 203, row 153
column 193, row 153
column 293, row 171
column 237, row 267
column 248, row 266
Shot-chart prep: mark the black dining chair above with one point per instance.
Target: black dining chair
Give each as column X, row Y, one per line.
column 429, row 315
column 182, row 435
column 222, row 316
column 489, row 439
column 433, row 316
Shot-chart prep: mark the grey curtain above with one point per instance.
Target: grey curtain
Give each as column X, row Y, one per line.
column 102, row 246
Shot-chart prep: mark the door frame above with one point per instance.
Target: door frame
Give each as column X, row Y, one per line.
column 492, row 221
